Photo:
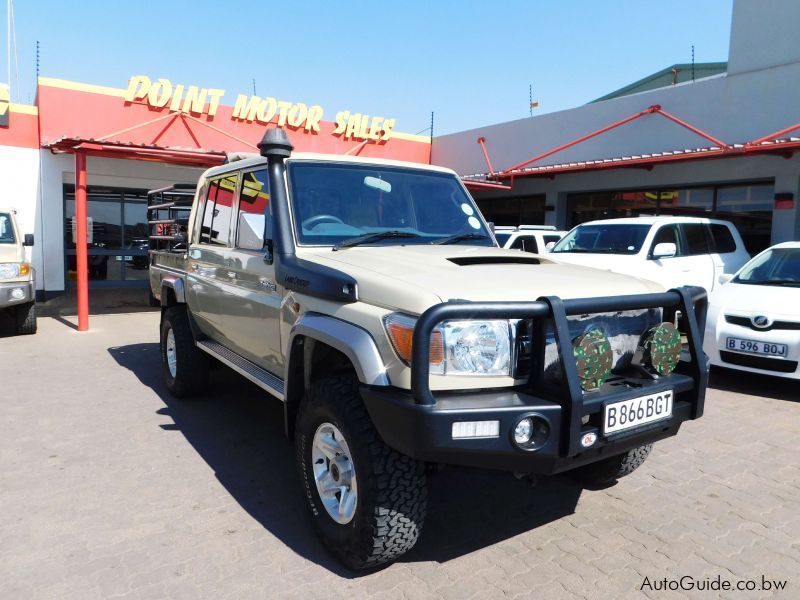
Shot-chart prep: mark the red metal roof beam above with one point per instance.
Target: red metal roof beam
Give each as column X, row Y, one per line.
column 773, row 136
column 691, row 128
column 588, row 136
column 482, row 142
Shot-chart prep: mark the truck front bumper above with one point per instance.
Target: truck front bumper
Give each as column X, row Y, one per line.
column 425, row 432
column 16, row 292
column 568, row 421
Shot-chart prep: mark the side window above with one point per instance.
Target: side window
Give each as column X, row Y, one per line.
column 551, row 238
column 696, row 239
column 723, row 239
column 254, row 200
column 217, row 213
column 526, row 243
column 667, row 234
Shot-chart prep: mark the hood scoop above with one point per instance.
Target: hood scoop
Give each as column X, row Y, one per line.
column 466, row 261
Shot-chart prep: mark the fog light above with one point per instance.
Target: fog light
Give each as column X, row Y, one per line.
column 17, row 294
column 661, row 348
column 523, row 431
column 475, row 429
column 530, row 432
column 593, row 358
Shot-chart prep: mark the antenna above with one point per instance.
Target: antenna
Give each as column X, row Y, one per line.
column 692, row 62
column 254, row 86
column 530, row 97
column 431, row 127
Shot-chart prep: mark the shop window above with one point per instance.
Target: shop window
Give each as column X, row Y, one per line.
column 749, row 208
column 525, row 210
column 217, row 213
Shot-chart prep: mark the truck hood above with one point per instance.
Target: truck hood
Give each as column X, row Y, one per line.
column 414, row 277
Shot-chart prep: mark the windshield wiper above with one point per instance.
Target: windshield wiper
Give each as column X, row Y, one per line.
column 451, row 239
column 373, row 237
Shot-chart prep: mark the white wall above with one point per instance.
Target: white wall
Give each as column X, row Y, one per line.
column 763, row 34
column 19, row 188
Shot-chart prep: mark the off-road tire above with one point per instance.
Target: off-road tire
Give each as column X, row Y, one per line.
column 191, row 373
column 26, row 318
column 608, row 470
column 392, row 495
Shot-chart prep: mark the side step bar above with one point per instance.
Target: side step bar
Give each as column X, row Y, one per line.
column 263, row 379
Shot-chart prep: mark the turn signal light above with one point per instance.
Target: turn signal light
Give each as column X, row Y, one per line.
column 401, row 332
column 24, row 269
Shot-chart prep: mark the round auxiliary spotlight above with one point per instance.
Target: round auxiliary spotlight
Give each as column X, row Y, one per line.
column 662, row 348
column 593, row 357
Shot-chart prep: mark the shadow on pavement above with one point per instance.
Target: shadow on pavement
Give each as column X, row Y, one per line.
column 742, row 382
column 238, row 430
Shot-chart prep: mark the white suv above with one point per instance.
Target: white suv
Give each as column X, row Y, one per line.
column 528, row 238
column 670, row 250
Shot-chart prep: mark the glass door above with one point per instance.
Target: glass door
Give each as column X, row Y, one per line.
column 117, row 237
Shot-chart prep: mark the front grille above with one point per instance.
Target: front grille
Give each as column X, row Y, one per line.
column 759, row 362
column 746, row 322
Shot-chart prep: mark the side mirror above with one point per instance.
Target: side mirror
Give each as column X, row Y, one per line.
column 28, row 240
column 724, row 278
column 665, row 250
column 251, row 231
column 549, row 246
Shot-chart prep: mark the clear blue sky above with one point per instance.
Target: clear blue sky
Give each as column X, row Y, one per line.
column 470, row 62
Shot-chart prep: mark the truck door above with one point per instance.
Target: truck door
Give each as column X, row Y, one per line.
column 252, row 300
column 206, row 273
column 691, row 265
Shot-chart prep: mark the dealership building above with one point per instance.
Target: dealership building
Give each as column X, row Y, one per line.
column 713, row 139
column 722, row 144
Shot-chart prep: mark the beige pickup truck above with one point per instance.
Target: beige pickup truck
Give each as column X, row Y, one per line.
column 17, row 289
column 372, row 299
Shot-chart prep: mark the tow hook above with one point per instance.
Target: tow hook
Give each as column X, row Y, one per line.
column 530, row 478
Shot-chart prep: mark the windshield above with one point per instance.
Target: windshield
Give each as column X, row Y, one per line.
column 6, row 230
column 778, row 266
column 502, row 238
column 339, row 202
column 604, row 238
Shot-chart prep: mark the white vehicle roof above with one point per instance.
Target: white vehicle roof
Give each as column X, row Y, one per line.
column 239, row 160
column 525, row 228
column 654, row 220
column 785, row 245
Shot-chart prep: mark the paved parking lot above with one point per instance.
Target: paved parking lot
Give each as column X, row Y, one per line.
column 110, row 488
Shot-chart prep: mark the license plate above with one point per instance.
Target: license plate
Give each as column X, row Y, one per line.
column 754, row 347
column 628, row 414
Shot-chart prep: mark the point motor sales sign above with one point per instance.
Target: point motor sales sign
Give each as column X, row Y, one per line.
column 162, row 93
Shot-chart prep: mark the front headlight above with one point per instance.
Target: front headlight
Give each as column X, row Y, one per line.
column 457, row 347
column 477, row 347
column 12, row 270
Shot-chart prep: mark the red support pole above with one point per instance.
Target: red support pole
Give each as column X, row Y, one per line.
column 693, row 129
column 774, row 136
column 81, row 249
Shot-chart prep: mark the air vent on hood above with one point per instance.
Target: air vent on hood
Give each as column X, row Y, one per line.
column 466, row 261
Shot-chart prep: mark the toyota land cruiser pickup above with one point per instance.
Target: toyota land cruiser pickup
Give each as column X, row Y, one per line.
column 373, row 300
column 17, row 289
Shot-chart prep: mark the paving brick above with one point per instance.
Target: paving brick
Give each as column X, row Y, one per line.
column 112, row 489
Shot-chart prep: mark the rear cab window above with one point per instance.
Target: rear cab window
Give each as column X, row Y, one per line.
column 696, row 237
column 526, row 243
column 216, row 222
column 723, row 238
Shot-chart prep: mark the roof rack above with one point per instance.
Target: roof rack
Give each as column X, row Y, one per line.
column 168, row 216
column 525, row 227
